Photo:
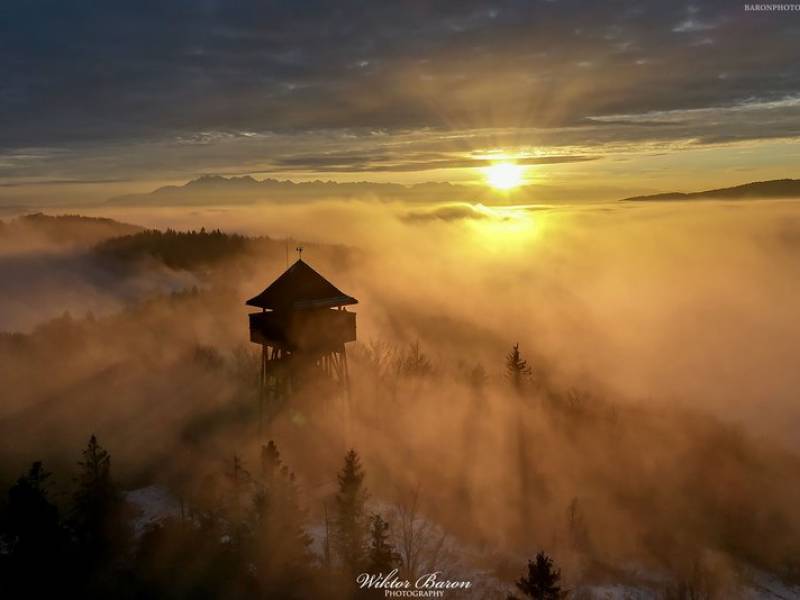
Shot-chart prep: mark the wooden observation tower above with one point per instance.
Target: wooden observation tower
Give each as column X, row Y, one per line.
column 302, row 328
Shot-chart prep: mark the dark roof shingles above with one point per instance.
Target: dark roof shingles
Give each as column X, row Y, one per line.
column 301, row 287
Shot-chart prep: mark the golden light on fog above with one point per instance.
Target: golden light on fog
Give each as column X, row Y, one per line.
column 504, row 176
column 504, row 229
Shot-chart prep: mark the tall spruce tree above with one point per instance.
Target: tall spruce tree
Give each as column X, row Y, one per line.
column 98, row 511
column 542, row 581
column 31, row 524
column 350, row 522
column 270, row 461
column 33, row 539
column 281, row 544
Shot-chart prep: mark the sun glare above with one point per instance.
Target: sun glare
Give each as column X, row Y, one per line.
column 504, row 176
column 504, row 229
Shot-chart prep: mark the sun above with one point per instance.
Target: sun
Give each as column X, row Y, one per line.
column 504, row 176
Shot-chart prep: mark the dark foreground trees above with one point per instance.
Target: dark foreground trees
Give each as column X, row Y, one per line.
column 350, row 519
column 47, row 553
column 360, row 541
column 98, row 519
column 33, row 539
column 280, row 545
column 542, row 581
column 247, row 539
column 251, row 542
column 31, row 521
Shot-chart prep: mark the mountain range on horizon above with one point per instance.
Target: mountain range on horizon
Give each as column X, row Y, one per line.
column 218, row 189
column 212, row 189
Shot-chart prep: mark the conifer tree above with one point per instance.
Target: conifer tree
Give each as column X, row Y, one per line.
column 477, row 378
column 98, row 516
column 236, row 505
column 381, row 555
column 517, row 369
column 33, row 539
column 542, row 581
column 32, row 520
column 270, row 461
column 349, row 524
column 281, row 544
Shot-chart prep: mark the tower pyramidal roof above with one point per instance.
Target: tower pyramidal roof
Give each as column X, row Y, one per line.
column 301, row 287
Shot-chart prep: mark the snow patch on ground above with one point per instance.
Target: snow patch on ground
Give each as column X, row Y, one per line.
column 763, row 586
column 317, row 534
column 760, row 586
column 153, row 504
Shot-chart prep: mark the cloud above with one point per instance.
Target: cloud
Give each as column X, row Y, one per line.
column 173, row 88
column 60, row 182
column 450, row 212
column 351, row 162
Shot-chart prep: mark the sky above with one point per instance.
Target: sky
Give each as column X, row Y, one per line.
column 596, row 100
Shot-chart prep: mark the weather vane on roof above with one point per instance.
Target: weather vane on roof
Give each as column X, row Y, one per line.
column 299, row 250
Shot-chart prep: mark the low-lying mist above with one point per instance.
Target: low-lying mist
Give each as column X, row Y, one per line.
column 655, row 428
column 679, row 302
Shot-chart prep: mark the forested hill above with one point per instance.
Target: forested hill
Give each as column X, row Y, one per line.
column 175, row 249
column 778, row 188
column 200, row 249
